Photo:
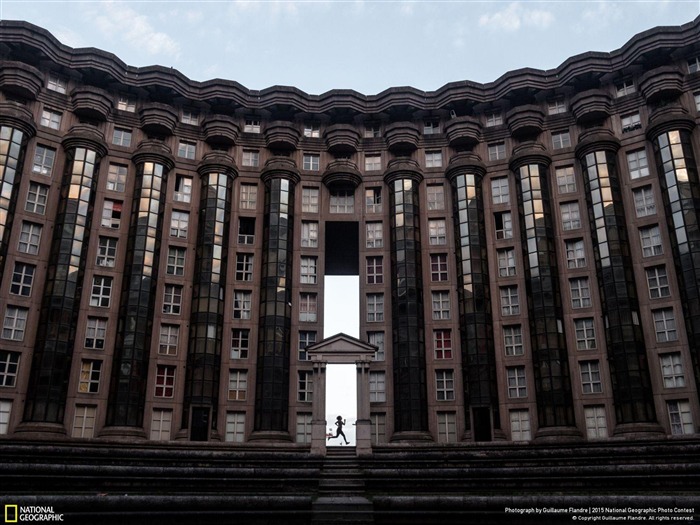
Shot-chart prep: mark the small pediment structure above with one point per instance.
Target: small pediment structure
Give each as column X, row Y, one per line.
column 341, row 348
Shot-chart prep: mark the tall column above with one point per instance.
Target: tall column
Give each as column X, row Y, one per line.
column 53, row 350
column 408, row 331
column 274, row 333
column 555, row 406
column 363, row 423
column 466, row 173
column 678, row 174
column 127, row 389
column 627, row 357
column 318, row 409
column 217, row 172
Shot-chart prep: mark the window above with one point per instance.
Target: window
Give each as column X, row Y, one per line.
column 125, row 104
column 186, row 149
column 433, row 159
column 311, row 162
column 447, row 427
column 309, row 200
column 183, row 189
column 84, row 421
column 306, row 339
column 679, row 417
column 249, row 197
column 374, row 270
column 37, row 195
column 437, row 234
column 561, row 140
column 305, row 391
column 519, row 425
column 312, row 131
column 590, row 377
column 513, row 340
column 499, row 190
column 377, row 387
column 378, row 428
column 244, row 267
column 436, row 197
column 161, row 422
column 9, row 365
column 566, row 179
column 665, row 325
column 189, row 117
column 56, row 83
column 235, row 427
column 121, row 137
column 444, row 385
column 556, row 106
column 694, row 65
column 630, row 122
column 111, row 214
column 43, row 160
column 575, row 254
column 168, row 339
column 504, row 225
column 373, row 200
column 570, row 216
column 431, row 127
column 517, row 384
column 441, row 305
column 585, row 334
column 373, row 162
column 626, row 87
column 237, row 385
column 493, row 119
column 240, row 343
column 372, row 131
column 176, row 261
column 51, row 119
column 95, row 333
column 651, row 241
column 308, row 304
column 172, row 299
column 242, row 305
column 246, row 230
column 342, row 201
column 644, row 202
column 375, row 307
column 672, row 370
column 657, row 279
column 179, row 222
column 510, row 304
column 442, row 344
column 116, row 177
column 506, row 262
column 497, row 151
column 637, row 164
column 438, row 267
column 22, row 279
column 580, row 292
column 697, row 101
column 309, row 234
column 308, row 270
column 596, row 422
column 377, row 339
column 374, row 235
column 251, row 126
column 106, row 252
column 303, row 428
column 101, row 293
column 89, row 376
column 251, row 158
column 165, row 381
column 29, row 238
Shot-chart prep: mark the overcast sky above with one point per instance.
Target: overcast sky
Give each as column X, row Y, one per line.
column 365, row 45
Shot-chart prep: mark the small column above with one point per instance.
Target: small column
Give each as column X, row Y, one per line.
column 363, row 424
column 318, row 409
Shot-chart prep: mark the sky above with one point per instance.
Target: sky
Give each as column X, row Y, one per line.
column 364, row 45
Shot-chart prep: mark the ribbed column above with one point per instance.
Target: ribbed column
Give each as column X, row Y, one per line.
column 466, row 173
column 627, row 357
column 274, row 334
column 127, row 392
column 555, row 408
column 53, row 350
column 217, row 172
column 408, row 330
column 678, row 174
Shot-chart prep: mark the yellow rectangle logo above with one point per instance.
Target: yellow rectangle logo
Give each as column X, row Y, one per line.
column 11, row 513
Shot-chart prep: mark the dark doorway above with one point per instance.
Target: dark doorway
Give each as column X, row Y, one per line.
column 342, row 248
column 200, row 424
column 482, row 423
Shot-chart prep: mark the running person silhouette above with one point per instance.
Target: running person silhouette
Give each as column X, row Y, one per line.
column 339, row 432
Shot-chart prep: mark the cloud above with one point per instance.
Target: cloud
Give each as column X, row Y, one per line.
column 604, row 13
column 515, row 16
column 69, row 37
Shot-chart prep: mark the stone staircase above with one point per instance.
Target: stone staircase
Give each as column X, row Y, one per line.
column 341, row 490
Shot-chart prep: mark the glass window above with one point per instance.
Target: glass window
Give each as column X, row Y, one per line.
column 84, row 421
column 575, row 253
column 520, row 425
column 504, row 225
column 433, row 159
column 172, row 299
column 186, row 149
column 441, row 305
column 556, row 106
column 249, row 197
column 121, row 137
column 43, row 160
column 179, row 223
column 506, row 262
column 513, row 340
column 311, row 162
column 29, row 238
column 5, row 411
column 437, row 232
column 672, row 370
column 517, row 384
column 447, row 427
column 101, row 293
column 183, row 189
column 590, row 377
column 585, row 334
column 246, row 230
column 111, row 213
column 305, row 386
column 15, row 323
column 309, row 234
column 189, row 117
column 374, row 235
column 566, row 179
column 377, row 339
column 431, row 127
column 373, row 162
column 680, row 418
column 373, row 200
column 442, row 344
column 237, row 385
column 626, row 87
column 561, row 140
column 372, row 131
column 342, row 201
column 644, row 202
column 630, row 122
column 51, row 119
column 309, row 200
column 377, row 387
column 651, row 241
column 126, row 104
column 500, row 193
column 570, row 216
column 89, row 376
column 580, row 292
column 497, row 151
column 116, row 177
column 168, row 339
column 176, row 260
column 510, row 302
column 251, row 158
column 438, row 267
column 240, row 343
column 665, row 325
column 244, row 267
column 251, row 125
column 165, row 381
column 494, row 119
column 235, row 427
column 22, row 279
column 436, row 197
column 37, row 196
column 9, row 365
column 242, row 302
column 375, row 272
column 694, row 65
column 312, row 131
column 375, row 307
column 596, row 422
column 56, row 83
column 637, row 164
column 308, row 270
column 308, row 307
column 95, row 333
column 306, row 339
column 445, row 385
column 303, row 428
column 106, row 252
column 161, row 422
column 657, row 280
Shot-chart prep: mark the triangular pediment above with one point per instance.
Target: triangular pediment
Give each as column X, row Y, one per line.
column 341, row 345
